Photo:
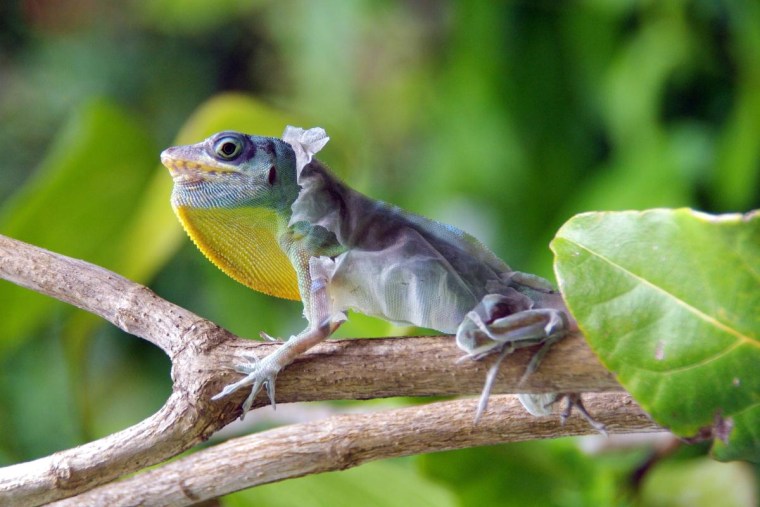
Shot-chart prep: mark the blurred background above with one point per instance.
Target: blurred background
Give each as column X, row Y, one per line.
column 504, row 118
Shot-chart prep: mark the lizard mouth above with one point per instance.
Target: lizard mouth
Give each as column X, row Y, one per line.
column 183, row 171
column 187, row 171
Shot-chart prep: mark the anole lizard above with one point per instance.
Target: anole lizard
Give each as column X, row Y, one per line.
column 277, row 220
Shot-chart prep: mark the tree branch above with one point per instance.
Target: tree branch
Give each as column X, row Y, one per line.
column 202, row 355
column 346, row 441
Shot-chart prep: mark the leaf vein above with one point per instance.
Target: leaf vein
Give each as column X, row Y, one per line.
column 696, row 311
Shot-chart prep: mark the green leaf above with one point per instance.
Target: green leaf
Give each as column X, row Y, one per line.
column 670, row 301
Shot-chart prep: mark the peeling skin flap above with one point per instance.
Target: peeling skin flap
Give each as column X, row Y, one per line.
column 305, row 143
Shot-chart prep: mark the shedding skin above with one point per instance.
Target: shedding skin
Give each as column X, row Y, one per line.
column 274, row 218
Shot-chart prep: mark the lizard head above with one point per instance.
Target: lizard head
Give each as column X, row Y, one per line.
column 231, row 169
column 233, row 195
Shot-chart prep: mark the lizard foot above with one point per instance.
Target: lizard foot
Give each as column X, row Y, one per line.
column 573, row 400
column 540, row 405
column 258, row 374
column 535, row 404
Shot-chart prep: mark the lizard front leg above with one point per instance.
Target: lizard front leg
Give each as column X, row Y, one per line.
column 322, row 323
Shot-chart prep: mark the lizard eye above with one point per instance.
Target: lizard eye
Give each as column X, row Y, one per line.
column 228, row 147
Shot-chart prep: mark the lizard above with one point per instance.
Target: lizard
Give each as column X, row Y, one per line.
column 273, row 217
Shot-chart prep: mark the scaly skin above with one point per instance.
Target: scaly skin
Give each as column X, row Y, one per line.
column 277, row 220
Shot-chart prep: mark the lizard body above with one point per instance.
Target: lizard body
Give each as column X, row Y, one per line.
column 277, row 220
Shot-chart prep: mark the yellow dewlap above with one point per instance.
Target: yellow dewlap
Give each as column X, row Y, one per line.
column 242, row 242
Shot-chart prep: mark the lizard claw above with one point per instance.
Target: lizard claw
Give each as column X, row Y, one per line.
column 266, row 337
column 268, row 384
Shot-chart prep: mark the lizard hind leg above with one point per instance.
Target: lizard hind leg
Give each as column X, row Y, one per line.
column 494, row 326
column 490, row 378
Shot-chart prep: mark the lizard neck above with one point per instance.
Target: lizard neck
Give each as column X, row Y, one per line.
column 326, row 203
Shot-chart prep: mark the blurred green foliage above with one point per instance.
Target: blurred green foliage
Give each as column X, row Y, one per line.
column 504, row 118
